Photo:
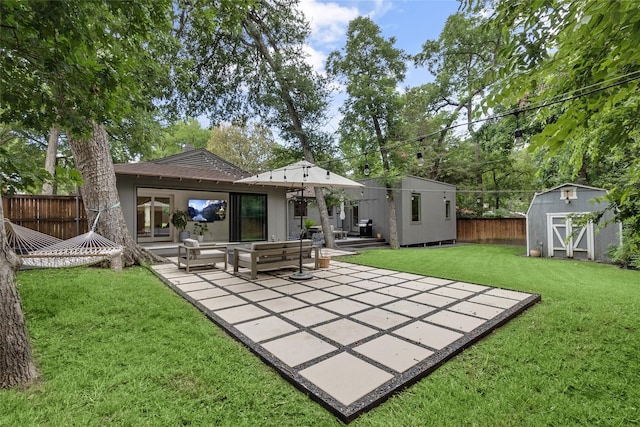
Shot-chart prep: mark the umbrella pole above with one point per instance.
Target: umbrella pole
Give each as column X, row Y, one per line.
column 300, row 275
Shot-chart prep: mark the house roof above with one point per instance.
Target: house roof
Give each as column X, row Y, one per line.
column 569, row 184
column 198, row 164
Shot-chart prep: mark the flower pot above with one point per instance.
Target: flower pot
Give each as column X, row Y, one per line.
column 323, row 262
column 184, row 235
column 200, row 238
column 534, row 253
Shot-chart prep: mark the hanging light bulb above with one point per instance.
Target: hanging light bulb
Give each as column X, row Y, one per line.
column 328, row 175
column 518, row 131
column 367, row 171
column 420, row 159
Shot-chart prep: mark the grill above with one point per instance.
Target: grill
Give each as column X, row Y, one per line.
column 366, row 227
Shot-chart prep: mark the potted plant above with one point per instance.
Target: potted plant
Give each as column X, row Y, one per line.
column 199, row 228
column 179, row 219
column 323, row 260
column 537, row 252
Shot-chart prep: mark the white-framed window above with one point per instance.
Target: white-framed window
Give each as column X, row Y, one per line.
column 416, row 212
column 568, row 193
column 447, row 209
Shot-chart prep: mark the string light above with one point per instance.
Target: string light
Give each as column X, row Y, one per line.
column 366, row 171
column 420, row 159
column 518, row 132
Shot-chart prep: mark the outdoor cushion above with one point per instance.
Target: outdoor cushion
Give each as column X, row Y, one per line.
column 192, row 243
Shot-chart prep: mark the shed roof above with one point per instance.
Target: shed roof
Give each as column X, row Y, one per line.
column 198, row 164
column 569, row 184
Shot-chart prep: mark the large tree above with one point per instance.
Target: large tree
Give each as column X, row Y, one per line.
column 574, row 66
column 372, row 69
column 260, row 70
column 249, row 147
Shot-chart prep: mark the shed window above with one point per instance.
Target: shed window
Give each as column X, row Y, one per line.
column 569, row 193
column 447, row 209
column 416, row 215
column 300, row 208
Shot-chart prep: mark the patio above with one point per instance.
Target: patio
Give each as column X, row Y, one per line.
column 352, row 335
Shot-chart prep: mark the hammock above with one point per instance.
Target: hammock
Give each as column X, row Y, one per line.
column 44, row 251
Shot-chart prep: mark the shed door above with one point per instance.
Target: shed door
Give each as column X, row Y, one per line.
column 568, row 238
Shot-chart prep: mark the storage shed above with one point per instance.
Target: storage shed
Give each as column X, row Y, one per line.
column 552, row 227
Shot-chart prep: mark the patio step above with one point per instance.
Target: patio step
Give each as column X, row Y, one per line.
column 356, row 243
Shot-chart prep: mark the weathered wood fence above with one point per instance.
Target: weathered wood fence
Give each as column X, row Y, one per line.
column 510, row 231
column 59, row 216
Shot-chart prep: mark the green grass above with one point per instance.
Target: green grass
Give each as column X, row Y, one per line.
column 122, row 349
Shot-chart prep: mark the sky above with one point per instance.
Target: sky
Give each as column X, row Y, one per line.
column 411, row 22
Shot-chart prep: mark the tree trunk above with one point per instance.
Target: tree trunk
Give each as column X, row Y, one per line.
column 16, row 362
column 393, row 224
column 100, row 194
column 50, row 160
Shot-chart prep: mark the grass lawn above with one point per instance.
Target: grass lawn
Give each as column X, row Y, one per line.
column 123, row 349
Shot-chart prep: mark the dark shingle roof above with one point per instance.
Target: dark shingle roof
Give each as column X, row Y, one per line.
column 197, row 164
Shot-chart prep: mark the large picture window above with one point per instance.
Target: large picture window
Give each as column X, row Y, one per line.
column 249, row 219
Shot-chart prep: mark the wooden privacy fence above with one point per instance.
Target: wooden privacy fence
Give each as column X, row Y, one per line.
column 63, row 217
column 510, row 231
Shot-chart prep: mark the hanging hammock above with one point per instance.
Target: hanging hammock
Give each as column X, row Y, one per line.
column 44, row 251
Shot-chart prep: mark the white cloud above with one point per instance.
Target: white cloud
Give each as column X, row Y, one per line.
column 328, row 21
column 315, row 58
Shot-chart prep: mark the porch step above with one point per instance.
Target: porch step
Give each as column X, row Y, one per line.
column 356, row 243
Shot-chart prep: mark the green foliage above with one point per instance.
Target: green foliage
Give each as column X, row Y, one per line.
column 248, row 147
column 308, row 223
column 200, row 228
column 628, row 253
column 179, row 219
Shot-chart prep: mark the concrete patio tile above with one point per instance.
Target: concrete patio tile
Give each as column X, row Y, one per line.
column 432, row 299
column 207, row 293
column 265, row 328
column 320, row 283
column 182, row 280
column 382, row 271
column 261, row 295
column 272, row 282
column 504, row 293
column 222, row 302
column 393, row 352
column 344, row 271
column 240, row 313
column 397, row 291
column 407, row 276
column 359, row 267
column 364, row 275
column 458, row 321
column 451, row 292
column 435, row 281
column 298, row 348
column 345, row 279
column 323, row 274
column 344, row 290
column 344, row 331
column 373, row 298
column 309, row 316
column 478, row 310
column 468, row 287
column 279, row 305
column 195, row 286
column 494, row 301
column 214, row 276
column 243, row 287
column 418, row 286
column 368, row 284
column 344, row 306
column 409, row 308
column 429, row 335
column 389, row 280
column 294, row 288
column 315, row 297
column 345, row 377
column 381, row 319
column 229, row 281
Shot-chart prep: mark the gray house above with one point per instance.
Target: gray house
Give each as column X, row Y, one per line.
column 552, row 228
column 201, row 183
column 425, row 210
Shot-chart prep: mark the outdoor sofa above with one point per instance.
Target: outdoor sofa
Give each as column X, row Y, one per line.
column 263, row 256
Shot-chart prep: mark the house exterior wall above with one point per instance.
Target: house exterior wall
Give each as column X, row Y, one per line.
column 551, row 202
column 183, row 190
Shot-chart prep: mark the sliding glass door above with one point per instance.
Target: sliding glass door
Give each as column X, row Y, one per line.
column 249, row 217
column 152, row 218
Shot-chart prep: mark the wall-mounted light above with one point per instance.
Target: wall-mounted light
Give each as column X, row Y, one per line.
column 328, row 174
column 444, row 197
column 420, row 159
column 566, row 200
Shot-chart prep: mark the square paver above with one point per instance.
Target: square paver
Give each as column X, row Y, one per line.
column 310, row 316
column 409, row 308
column 344, row 271
column 207, row 293
column 265, row 328
column 458, row 321
column 493, row 301
column 505, row 293
column 294, row 288
column 388, row 280
column 298, row 348
column 432, row 299
column 241, row 313
column 373, row 298
column 381, row 319
column 272, row 282
column 435, row 281
column 364, row 275
column 344, row 306
column 344, row 279
column 451, row 292
column 228, row 281
column 397, row 291
column 368, row 284
column 345, row 377
column 382, row 271
column 279, row 305
column 344, row 290
column 477, row 310
column 222, row 302
column 429, row 335
column 418, row 286
column 261, row 295
column 195, row 286
column 408, row 276
column 468, row 287
column 320, row 283
column 214, row 276
column 243, row 287
column 393, row 352
column 344, row 331
column 315, row 297
column 192, row 278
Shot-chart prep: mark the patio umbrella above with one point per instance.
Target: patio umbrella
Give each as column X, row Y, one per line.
column 300, row 175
